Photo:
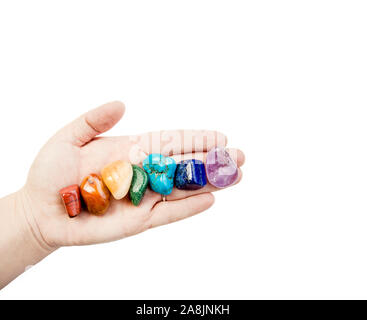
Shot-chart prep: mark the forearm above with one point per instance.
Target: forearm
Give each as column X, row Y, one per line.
column 19, row 247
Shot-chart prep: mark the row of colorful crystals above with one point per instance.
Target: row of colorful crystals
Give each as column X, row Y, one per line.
column 161, row 173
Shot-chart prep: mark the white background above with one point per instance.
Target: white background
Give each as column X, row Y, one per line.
column 285, row 80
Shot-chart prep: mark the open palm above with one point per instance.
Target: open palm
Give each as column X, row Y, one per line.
column 75, row 152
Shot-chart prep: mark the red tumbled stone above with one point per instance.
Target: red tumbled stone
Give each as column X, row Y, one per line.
column 71, row 198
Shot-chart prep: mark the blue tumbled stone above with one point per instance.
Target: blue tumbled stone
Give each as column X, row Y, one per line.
column 161, row 172
column 190, row 175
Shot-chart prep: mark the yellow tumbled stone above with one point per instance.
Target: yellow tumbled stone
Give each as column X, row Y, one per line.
column 117, row 177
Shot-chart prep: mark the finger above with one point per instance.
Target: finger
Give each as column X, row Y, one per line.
column 172, row 211
column 151, row 197
column 178, row 194
column 236, row 154
column 89, row 125
column 179, row 141
column 124, row 219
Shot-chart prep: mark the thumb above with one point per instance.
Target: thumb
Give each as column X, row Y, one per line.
column 89, row 125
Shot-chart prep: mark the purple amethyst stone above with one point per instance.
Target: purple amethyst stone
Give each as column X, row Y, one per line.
column 221, row 170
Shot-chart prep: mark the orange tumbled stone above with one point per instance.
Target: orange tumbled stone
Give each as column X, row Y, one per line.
column 71, row 198
column 95, row 194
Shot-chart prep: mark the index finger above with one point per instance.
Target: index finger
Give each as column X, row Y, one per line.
column 173, row 142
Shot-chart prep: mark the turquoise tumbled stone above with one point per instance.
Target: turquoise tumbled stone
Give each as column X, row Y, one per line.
column 161, row 172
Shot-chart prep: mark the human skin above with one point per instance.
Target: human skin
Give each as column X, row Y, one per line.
column 33, row 221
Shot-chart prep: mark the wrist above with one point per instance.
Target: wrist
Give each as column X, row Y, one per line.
column 21, row 244
column 27, row 215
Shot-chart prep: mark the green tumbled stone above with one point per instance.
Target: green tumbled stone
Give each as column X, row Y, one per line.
column 139, row 185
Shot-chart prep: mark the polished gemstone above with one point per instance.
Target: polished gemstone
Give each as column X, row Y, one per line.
column 190, row 175
column 117, row 177
column 221, row 170
column 95, row 194
column 161, row 172
column 139, row 185
column 71, row 198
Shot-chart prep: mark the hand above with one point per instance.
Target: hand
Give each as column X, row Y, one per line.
column 75, row 152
